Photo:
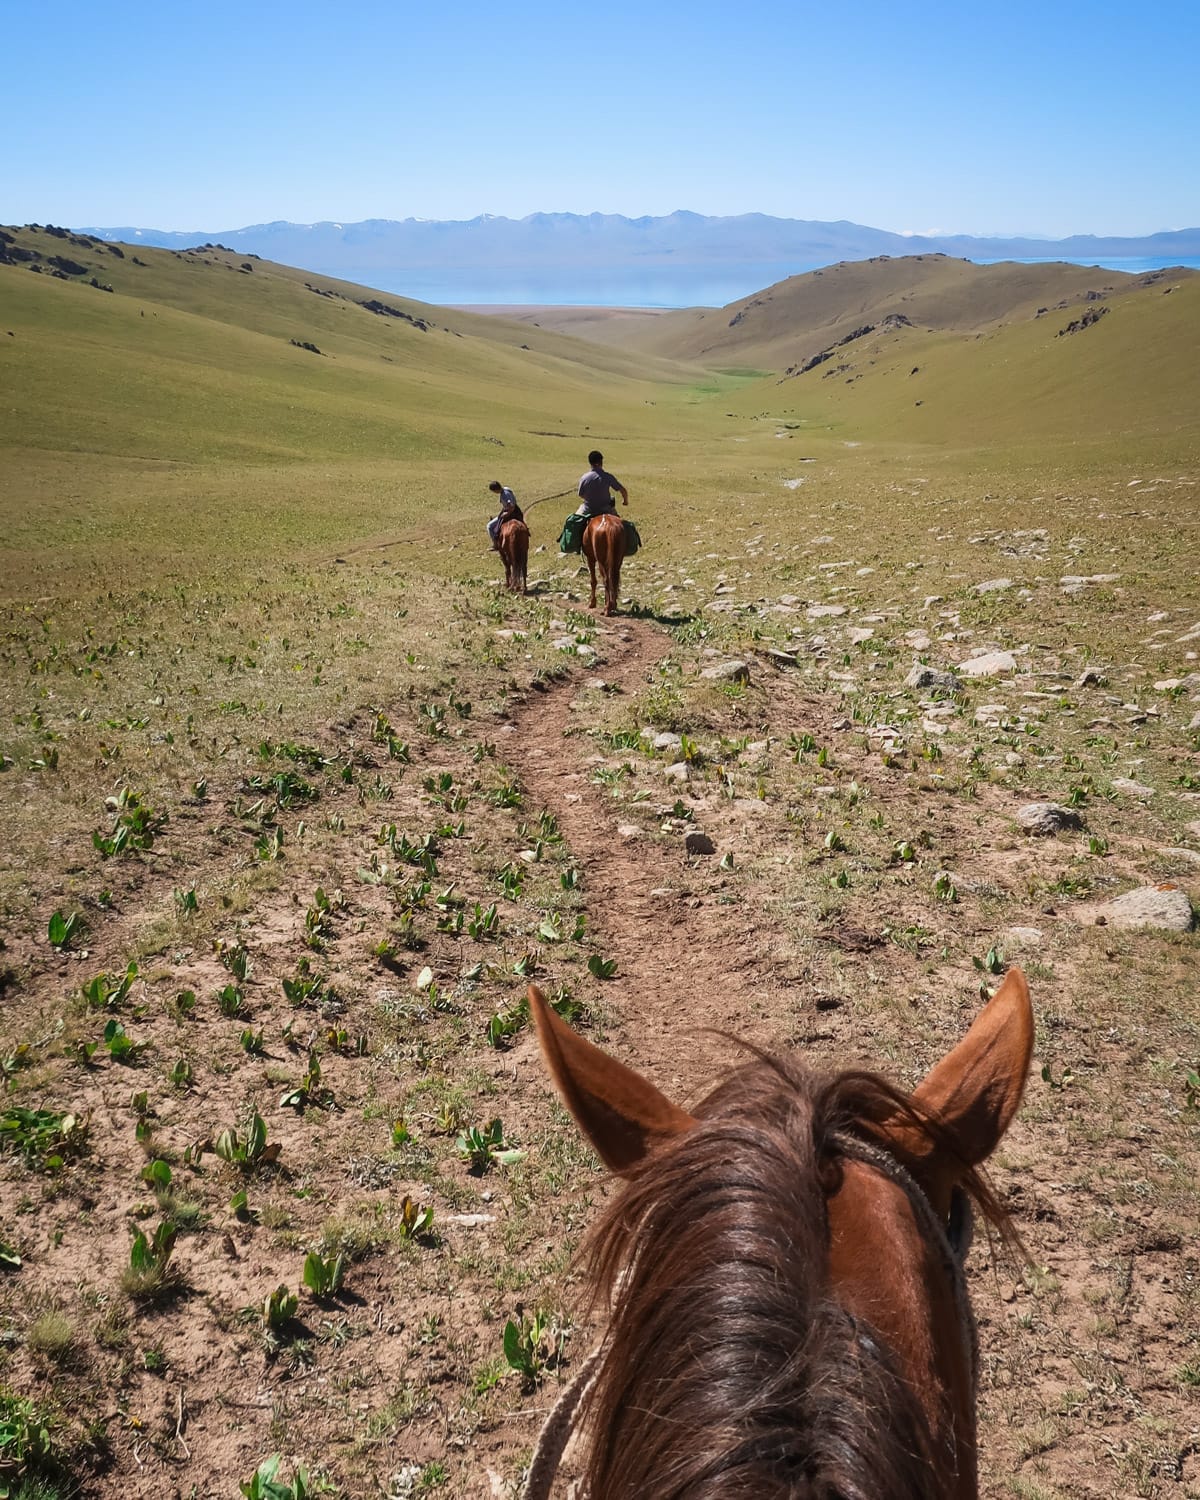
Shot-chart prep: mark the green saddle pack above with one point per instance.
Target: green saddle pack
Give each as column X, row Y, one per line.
column 571, row 539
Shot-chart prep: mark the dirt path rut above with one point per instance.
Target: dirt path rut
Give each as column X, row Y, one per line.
column 683, row 964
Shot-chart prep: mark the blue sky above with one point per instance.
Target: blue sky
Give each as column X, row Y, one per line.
column 1047, row 118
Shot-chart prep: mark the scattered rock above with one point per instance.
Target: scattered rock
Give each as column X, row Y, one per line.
column 929, row 677
column 678, row 771
column 1089, row 677
column 667, row 741
column 1042, row 819
column 628, row 830
column 1131, row 788
column 988, row 664
column 993, row 586
column 699, row 843
column 1195, row 724
column 1181, row 856
column 857, row 635
column 1162, row 906
column 823, row 611
column 783, row 658
column 1021, row 937
column 727, row 671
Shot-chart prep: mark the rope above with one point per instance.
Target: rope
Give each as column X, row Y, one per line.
column 559, row 1426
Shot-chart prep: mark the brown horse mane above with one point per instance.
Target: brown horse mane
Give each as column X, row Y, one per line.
column 730, row 1371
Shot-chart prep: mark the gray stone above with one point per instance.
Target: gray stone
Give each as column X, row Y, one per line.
column 929, row 677
column 1021, row 937
column 727, row 671
column 1195, row 724
column 699, row 843
column 1089, row 677
column 783, row 658
column 993, row 586
column 1162, row 906
column 628, row 830
column 677, row 772
column 825, row 611
column 990, row 664
column 1131, row 788
column 1043, row 819
column 667, row 741
column 1181, row 856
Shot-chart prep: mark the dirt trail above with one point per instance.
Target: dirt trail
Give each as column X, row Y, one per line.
column 682, row 965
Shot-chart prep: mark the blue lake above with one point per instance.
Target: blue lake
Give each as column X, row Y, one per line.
column 674, row 286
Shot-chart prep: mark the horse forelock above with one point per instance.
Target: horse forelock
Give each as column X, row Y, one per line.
column 730, row 1367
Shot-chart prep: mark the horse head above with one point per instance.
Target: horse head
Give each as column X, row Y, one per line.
column 783, row 1270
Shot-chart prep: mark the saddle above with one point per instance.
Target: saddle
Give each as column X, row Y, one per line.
column 571, row 539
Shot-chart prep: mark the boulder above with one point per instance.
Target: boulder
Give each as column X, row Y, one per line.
column 1164, row 907
column 667, row 741
column 1181, row 856
column 727, row 671
column 678, row 771
column 1131, row 788
column 1021, row 937
column 929, row 677
column 1043, row 819
column 990, row 664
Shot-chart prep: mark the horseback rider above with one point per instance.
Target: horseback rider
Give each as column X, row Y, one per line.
column 596, row 487
column 509, row 511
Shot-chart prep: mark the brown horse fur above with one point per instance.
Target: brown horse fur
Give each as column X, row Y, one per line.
column 780, row 1325
column 604, row 548
column 514, row 549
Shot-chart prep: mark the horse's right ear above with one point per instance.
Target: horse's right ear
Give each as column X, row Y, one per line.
column 622, row 1115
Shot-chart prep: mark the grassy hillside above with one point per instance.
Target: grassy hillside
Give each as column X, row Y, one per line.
column 193, row 365
column 293, row 799
column 1129, row 378
column 787, row 323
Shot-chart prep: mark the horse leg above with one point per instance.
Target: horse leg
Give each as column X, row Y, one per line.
column 591, row 562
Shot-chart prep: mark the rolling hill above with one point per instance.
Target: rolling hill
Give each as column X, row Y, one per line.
column 927, row 348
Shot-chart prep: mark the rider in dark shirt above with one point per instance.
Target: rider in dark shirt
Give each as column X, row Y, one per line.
column 596, row 487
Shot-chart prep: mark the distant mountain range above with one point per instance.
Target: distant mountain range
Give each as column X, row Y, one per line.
column 685, row 247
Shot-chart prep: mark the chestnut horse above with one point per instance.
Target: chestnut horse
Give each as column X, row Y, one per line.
column 604, row 547
column 783, row 1273
column 514, row 549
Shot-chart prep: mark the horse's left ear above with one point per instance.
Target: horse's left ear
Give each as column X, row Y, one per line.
column 975, row 1091
column 621, row 1113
